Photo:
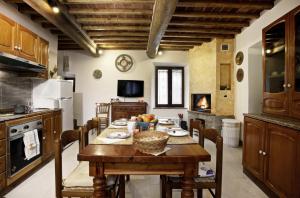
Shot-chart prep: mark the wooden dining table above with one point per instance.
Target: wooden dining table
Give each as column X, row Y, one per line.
column 117, row 159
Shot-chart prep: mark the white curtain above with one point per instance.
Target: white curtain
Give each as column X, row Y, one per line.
column 176, row 86
column 162, row 86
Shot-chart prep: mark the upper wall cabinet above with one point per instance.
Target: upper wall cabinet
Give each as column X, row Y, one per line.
column 281, row 66
column 27, row 44
column 7, row 35
column 19, row 41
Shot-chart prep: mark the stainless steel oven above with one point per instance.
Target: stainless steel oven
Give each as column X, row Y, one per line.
column 16, row 159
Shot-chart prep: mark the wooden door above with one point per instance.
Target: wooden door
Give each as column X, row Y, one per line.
column 254, row 136
column 294, row 58
column 7, row 35
column 275, row 61
column 281, row 160
column 28, row 44
column 57, row 130
column 44, row 52
column 48, row 141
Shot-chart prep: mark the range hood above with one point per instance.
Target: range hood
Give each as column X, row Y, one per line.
column 14, row 63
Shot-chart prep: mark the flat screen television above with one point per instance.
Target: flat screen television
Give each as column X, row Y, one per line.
column 130, row 88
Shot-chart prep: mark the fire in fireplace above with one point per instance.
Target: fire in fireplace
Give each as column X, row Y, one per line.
column 201, row 102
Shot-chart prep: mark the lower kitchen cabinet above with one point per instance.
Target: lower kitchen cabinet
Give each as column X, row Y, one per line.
column 48, row 136
column 57, row 119
column 271, row 154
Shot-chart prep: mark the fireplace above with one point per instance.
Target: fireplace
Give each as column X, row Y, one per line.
column 201, row 102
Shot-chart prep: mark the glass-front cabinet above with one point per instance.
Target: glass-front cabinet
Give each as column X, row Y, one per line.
column 281, row 62
column 295, row 62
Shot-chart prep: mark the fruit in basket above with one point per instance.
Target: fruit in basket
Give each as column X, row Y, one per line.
column 146, row 118
column 154, row 121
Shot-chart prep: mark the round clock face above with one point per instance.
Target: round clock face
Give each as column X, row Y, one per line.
column 124, row 63
column 97, row 74
column 239, row 58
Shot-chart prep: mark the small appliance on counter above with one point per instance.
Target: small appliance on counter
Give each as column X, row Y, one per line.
column 55, row 93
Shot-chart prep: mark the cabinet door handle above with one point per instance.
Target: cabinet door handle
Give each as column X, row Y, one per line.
column 44, row 138
column 284, row 85
column 260, row 152
column 54, row 132
column 19, row 48
column 16, row 47
column 264, row 153
column 289, row 85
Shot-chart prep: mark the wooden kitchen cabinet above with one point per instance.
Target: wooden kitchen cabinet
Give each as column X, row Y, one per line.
column 281, row 66
column 20, row 41
column 253, row 146
column 271, row 154
column 281, row 160
column 48, row 136
column 7, row 35
column 57, row 117
column 28, row 44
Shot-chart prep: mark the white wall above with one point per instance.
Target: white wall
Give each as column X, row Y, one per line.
column 255, row 81
column 250, row 36
column 102, row 90
column 11, row 12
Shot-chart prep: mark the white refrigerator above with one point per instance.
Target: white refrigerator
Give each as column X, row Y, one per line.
column 55, row 93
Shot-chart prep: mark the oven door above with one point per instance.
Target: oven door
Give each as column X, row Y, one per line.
column 16, row 153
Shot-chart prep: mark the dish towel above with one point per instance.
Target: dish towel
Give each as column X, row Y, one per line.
column 31, row 144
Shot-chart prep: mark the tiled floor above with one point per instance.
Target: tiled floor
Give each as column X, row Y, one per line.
column 235, row 183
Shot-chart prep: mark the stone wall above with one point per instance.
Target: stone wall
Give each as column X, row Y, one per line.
column 204, row 72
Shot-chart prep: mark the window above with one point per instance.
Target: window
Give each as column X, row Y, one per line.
column 169, row 86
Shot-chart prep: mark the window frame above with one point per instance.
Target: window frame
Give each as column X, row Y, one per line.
column 169, row 68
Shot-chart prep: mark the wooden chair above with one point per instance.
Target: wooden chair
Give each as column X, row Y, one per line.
column 78, row 183
column 102, row 115
column 173, row 182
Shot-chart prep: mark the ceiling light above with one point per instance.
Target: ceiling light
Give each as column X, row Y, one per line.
column 55, row 9
column 54, row 6
column 160, row 53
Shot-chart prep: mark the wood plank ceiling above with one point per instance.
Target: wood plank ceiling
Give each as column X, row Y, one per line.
column 125, row 24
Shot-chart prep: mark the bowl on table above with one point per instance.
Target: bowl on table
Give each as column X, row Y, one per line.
column 150, row 142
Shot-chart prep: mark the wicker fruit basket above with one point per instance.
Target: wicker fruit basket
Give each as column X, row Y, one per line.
column 150, row 142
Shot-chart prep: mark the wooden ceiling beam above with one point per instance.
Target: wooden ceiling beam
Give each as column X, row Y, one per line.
column 163, row 11
column 116, row 27
column 105, row 1
column 215, row 15
column 103, row 34
column 199, row 35
column 130, row 42
column 176, row 45
column 120, row 38
column 210, row 23
column 108, row 11
column 223, row 4
column 65, row 23
column 186, row 40
column 89, row 20
column 202, row 30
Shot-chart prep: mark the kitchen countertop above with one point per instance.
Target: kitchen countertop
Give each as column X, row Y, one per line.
column 33, row 113
column 291, row 123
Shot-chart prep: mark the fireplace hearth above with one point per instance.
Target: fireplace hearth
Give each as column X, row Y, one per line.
column 201, row 102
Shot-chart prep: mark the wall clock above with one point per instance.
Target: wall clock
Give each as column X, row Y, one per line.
column 123, row 63
column 239, row 58
column 97, row 73
column 240, row 75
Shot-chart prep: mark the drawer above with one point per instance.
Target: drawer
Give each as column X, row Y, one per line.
column 2, row 131
column 2, row 181
column 2, row 163
column 2, row 147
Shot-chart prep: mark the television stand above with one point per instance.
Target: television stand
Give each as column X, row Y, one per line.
column 127, row 109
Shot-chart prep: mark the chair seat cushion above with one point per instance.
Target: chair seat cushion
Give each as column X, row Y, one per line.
column 79, row 178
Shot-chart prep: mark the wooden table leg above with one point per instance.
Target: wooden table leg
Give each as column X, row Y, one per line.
column 188, row 182
column 97, row 170
column 122, row 186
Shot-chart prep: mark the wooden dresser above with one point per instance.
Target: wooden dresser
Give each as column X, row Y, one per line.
column 127, row 109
